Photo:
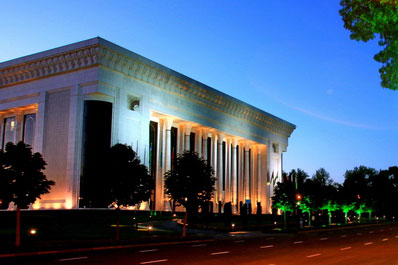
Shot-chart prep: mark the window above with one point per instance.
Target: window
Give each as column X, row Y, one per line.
column 29, row 129
column 9, row 131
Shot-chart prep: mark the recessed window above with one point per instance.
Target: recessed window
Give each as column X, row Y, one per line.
column 9, row 131
column 29, row 129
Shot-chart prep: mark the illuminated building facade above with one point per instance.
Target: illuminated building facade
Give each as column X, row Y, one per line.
column 73, row 102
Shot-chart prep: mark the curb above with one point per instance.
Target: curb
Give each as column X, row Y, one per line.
column 340, row 228
column 49, row 252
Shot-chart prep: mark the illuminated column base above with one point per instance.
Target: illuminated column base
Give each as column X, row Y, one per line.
column 144, row 206
column 166, row 206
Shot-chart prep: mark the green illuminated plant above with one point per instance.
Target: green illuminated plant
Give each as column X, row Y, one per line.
column 306, row 206
column 284, row 199
column 330, row 207
column 346, row 207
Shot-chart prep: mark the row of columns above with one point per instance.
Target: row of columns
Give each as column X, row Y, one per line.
column 245, row 176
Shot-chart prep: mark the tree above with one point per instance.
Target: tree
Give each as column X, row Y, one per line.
column 25, row 181
column 130, row 181
column 330, row 206
column 384, row 191
column 284, row 198
column 346, row 207
column 298, row 176
column 190, row 183
column 306, row 206
column 368, row 19
column 5, row 182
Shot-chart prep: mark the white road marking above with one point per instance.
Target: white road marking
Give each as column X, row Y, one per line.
column 148, row 250
column 345, row 248
column 269, row 246
column 199, row 245
column 73, row 258
column 239, row 241
column 368, row 243
column 359, row 234
column 219, row 253
column 384, row 239
column 313, row 255
column 343, row 236
column 324, row 238
column 371, row 232
column 154, row 261
column 298, row 242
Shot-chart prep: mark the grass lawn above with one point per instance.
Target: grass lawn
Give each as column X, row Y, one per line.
column 74, row 228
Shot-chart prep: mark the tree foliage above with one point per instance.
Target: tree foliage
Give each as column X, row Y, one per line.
column 191, row 182
column 129, row 180
column 284, row 196
column 21, row 175
column 370, row 19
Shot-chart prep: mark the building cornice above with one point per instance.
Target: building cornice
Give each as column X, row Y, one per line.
column 144, row 70
column 49, row 65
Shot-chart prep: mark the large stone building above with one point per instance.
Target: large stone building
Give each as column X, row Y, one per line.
column 73, row 102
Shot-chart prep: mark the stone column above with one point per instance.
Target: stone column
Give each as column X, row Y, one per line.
column 18, row 126
column 253, row 178
column 220, row 169
column 234, row 190
column 227, row 170
column 167, row 158
column 259, row 176
column 1, row 130
column 180, row 139
column 270, row 192
column 205, row 134
column 40, row 124
column 74, row 147
column 187, row 136
column 214, row 166
column 247, row 171
column 240, row 171
column 159, row 194
column 198, row 144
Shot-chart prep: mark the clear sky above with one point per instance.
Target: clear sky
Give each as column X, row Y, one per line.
column 290, row 58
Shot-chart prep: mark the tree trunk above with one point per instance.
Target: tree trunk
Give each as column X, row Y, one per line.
column 309, row 218
column 360, row 217
column 345, row 217
column 370, row 217
column 18, row 228
column 184, row 228
column 330, row 218
column 284, row 220
column 117, row 223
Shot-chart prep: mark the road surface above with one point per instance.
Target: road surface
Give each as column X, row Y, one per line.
column 367, row 245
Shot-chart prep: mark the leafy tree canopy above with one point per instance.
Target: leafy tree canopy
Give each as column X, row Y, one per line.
column 191, row 182
column 357, row 184
column 284, row 196
column 130, row 182
column 21, row 173
column 368, row 19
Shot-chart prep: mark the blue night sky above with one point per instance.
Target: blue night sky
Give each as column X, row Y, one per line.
column 290, row 58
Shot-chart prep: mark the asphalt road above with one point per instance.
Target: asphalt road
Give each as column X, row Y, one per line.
column 369, row 245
